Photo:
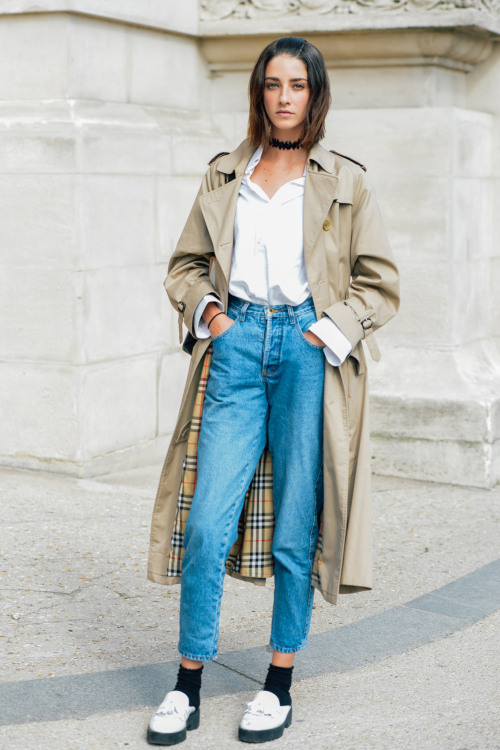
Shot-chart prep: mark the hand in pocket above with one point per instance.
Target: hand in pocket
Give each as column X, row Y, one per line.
column 310, row 336
column 220, row 324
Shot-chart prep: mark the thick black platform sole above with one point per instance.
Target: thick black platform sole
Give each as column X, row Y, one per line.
column 173, row 738
column 265, row 735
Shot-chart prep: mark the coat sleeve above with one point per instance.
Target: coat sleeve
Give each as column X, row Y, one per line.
column 373, row 294
column 188, row 270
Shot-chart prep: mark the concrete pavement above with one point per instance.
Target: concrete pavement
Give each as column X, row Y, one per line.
column 90, row 646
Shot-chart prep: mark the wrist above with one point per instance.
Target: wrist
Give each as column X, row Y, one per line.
column 209, row 324
column 210, row 310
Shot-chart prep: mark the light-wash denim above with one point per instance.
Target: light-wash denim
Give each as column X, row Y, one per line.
column 265, row 386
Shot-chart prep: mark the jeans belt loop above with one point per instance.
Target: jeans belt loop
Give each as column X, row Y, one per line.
column 291, row 314
column 243, row 311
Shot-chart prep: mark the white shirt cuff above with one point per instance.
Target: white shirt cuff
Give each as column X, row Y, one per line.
column 337, row 346
column 199, row 326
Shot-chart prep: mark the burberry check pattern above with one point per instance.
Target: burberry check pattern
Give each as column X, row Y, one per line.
column 251, row 555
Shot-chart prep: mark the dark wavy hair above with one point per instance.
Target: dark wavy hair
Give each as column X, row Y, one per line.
column 259, row 125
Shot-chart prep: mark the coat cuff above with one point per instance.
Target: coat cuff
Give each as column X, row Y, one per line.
column 346, row 319
column 188, row 304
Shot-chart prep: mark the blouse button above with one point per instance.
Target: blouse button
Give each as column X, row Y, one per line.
column 326, row 225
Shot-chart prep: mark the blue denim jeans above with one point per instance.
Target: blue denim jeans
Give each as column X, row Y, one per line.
column 265, row 387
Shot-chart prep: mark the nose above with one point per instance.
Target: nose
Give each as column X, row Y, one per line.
column 285, row 95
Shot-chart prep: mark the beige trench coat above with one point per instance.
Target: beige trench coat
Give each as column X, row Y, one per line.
column 354, row 281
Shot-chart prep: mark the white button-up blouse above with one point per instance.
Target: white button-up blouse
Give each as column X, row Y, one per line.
column 268, row 257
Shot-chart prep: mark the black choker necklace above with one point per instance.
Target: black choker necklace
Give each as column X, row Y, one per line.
column 285, row 145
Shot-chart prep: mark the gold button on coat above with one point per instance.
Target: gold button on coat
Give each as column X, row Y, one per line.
column 326, row 225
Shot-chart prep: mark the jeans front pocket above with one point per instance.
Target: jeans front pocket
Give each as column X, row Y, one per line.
column 303, row 323
column 226, row 332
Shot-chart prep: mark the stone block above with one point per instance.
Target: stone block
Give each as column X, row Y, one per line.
column 428, row 142
column 175, row 199
column 495, row 442
column 446, row 88
column 118, row 405
column 470, row 311
column 495, row 228
column 133, row 146
column 495, row 464
column 38, row 404
column 190, row 155
column 125, row 312
column 173, row 372
column 227, row 92
column 117, row 220
column 97, row 60
column 386, row 139
column 165, row 70
column 137, row 456
column 416, row 214
column 31, row 114
column 472, row 143
column 38, row 225
column 435, row 412
column 38, row 313
column 233, row 127
column 396, row 86
column 409, row 418
column 31, row 150
column 426, row 300
column 450, row 462
column 494, row 422
column 33, row 56
column 240, row 130
column 472, row 203
column 443, row 374
column 494, row 286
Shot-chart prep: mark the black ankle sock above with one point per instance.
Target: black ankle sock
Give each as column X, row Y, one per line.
column 279, row 682
column 189, row 682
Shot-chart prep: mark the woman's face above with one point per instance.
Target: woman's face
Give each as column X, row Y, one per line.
column 286, row 95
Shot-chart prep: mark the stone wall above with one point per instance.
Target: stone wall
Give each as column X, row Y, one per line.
column 93, row 114
column 109, row 112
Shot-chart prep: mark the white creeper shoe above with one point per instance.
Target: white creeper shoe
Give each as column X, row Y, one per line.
column 265, row 719
column 173, row 717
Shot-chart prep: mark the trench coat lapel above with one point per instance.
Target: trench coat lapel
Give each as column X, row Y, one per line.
column 319, row 194
column 219, row 210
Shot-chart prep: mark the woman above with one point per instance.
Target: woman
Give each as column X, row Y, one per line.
column 302, row 272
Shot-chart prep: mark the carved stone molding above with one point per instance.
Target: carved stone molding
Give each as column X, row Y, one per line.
column 452, row 49
column 218, row 17
column 215, row 10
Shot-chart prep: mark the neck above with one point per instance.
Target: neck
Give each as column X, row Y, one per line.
column 284, row 155
column 281, row 134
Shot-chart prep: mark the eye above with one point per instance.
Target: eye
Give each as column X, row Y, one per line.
column 298, row 86
column 271, row 85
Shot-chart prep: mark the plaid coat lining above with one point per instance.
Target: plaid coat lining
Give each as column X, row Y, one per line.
column 251, row 555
